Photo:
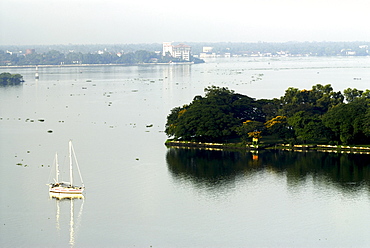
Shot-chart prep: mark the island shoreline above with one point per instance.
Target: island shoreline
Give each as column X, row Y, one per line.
column 286, row 147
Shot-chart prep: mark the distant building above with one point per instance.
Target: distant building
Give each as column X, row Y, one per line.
column 30, row 51
column 351, row 53
column 348, row 52
column 207, row 49
column 180, row 51
column 207, row 53
column 167, row 48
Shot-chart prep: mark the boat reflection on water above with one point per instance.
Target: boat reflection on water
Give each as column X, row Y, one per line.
column 63, row 196
column 62, row 199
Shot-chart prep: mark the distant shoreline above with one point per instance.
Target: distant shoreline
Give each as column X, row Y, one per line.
column 91, row 65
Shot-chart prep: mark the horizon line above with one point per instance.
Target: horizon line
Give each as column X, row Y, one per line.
column 200, row 42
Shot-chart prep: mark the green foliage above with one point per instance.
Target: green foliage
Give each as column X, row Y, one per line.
column 318, row 100
column 298, row 116
column 280, row 127
column 366, row 122
column 248, row 129
column 349, row 122
column 307, row 126
column 353, row 94
column 7, row 79
column 214, row 117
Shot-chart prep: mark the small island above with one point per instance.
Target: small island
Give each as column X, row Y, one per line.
column 305, row 118
column 7, row 79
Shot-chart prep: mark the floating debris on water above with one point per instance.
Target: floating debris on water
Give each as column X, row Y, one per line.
column 50, row 131
column 256, row 77
column 20, row 164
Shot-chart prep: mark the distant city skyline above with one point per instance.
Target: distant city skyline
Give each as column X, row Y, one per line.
column 45, row 22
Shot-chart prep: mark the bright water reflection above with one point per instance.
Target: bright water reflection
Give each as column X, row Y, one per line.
column 61, row 227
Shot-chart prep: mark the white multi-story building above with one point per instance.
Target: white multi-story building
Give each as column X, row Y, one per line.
column 167, row 48
column 180, row 51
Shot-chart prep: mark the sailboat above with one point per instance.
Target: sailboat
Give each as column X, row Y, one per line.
column 37, row 73
column 66, row 187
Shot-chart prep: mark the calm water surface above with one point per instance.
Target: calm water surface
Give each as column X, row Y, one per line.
column 140, row 193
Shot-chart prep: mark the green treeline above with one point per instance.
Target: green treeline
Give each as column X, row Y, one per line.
column 10, row 79
column 300, row 116
column 57, row 58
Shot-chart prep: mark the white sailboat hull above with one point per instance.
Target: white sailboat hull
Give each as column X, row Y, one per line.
column 66, row 190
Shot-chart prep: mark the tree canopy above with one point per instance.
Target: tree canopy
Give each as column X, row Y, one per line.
column 213, row 117
column 298, row 116
column 7, row 79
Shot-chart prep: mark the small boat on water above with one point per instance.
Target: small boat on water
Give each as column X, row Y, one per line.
column 37, row 73
column 67, row 187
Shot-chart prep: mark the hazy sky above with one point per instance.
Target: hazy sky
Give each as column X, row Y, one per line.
column 142, row 21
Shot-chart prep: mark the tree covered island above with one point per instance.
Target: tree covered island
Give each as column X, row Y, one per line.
column 7, row 79
column 298, row 117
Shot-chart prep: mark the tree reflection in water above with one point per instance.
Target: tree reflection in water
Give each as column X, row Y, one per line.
column 348, row 172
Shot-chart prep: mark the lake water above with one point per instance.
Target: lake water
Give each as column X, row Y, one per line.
column 140, row 193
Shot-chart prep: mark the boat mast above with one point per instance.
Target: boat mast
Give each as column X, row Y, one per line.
column 78, row 167
column 57, row 167
column 70, row 163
